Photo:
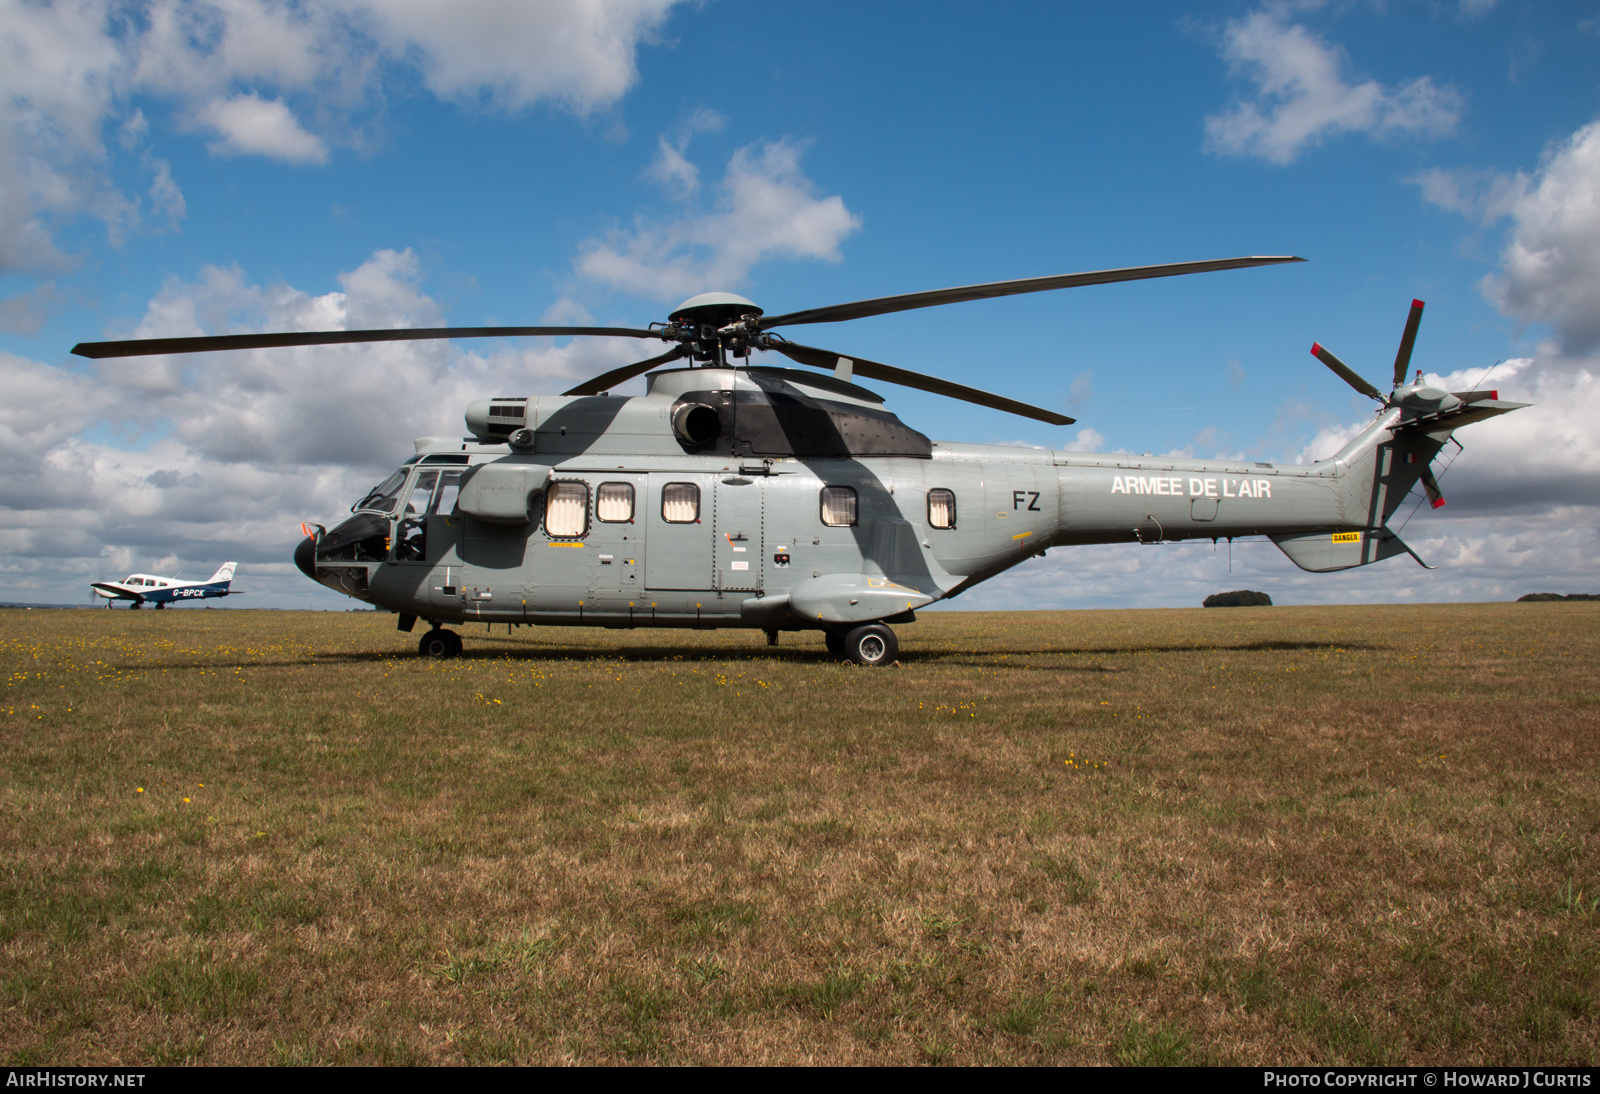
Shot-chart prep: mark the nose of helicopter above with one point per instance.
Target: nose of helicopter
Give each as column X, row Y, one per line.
column 305, row 557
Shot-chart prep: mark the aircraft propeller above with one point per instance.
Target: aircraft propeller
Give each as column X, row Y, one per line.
column 709, row 327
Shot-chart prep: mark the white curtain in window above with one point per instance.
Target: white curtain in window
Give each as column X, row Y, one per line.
column 680, row 503
column 566, row 506
column 614, row 502
column 839, row 506
column 941, row 509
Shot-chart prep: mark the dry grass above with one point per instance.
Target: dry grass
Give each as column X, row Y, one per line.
column 1361, row 835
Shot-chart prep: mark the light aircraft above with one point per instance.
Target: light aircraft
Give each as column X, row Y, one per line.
column 144, row 589
column 737, row 495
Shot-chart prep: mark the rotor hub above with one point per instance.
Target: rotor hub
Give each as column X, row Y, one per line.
column 713, row 309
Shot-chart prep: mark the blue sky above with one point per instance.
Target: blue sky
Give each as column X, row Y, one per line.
column 186, row 168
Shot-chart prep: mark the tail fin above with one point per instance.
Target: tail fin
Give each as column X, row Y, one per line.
column 1386, row 461
column 1379, row 468
column 225, row 572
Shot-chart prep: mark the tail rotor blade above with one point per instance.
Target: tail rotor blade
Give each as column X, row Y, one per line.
column 1402, row 360
column 1431, row 485
column 1344, row 371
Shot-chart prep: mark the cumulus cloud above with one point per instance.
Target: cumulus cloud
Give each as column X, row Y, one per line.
column 512, row 53
column 1481, row 196
column 206, row 457
column 1550, row 270
column 287, row 81
column 671, row 167
column 1302, row 95
column 765, row 208
column 252, row 126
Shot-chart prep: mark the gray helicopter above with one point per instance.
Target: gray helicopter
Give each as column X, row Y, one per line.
column 736, row 495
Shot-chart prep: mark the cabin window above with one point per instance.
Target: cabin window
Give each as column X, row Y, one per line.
column 839, row 506
column 680, row 503
column 941, row 509
column 614, row 502
column 566, row 509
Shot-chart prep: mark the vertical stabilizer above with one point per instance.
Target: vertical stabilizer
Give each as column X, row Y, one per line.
column 225, row 572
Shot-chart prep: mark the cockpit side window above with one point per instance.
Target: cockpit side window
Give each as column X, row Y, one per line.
column 444, row 499
column 421, row 493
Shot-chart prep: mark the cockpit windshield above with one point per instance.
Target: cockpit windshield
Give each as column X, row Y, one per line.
column 381, row 498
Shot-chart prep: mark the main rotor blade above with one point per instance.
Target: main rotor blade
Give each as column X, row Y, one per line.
column 905, row 302
column 1344, row 371
column 1402, row 360
column 608, row 380
column 825, row 359
column 144, row 347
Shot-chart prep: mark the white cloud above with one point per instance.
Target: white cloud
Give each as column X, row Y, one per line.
column 1302, row 97
column 288, row 81
column 252, row 126
column 1483, row 196
column 671, row 167
column 1088, row 440
column 1551, row 267
column 514, row 53
column 1081, row 391
column 765, row 208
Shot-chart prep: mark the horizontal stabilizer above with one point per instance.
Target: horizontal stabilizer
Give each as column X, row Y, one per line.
column 1456, row 417
column 1325, row 552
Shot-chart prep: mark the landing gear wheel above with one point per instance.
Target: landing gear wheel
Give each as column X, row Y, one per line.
column 835, row 641
column 440, row 644
column 873, row 644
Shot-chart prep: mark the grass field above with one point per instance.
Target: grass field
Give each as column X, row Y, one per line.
column 1255, row 835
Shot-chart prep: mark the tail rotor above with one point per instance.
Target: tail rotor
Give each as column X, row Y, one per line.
column 1402, row 361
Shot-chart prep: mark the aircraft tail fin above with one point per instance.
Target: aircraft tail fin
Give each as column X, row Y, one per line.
column 224, row 572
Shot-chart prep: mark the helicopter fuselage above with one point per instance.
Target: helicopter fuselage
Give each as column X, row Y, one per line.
column 799, row 504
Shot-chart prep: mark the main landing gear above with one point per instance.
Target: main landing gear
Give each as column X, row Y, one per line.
column 439, row 644
column 872, row 644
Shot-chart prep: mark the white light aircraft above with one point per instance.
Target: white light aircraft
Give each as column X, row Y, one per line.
column 144, row 589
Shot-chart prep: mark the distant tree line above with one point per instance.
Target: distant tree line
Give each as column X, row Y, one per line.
column 1559, row 596
column 1239, row 598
